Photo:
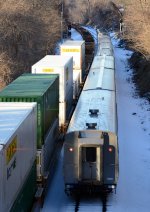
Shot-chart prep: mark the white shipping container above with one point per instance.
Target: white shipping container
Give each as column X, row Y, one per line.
column 57, row 64
column 77, row 50
column 17, row 149
column 64, row 110
column 62, row 113
column 76, row 83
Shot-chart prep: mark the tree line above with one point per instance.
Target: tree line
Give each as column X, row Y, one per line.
column 135, row 15
column 29, row 29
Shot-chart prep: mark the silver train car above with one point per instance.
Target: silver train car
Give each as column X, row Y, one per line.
column 91, row 145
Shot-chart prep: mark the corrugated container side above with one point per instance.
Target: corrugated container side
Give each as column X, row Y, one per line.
column 65, row 83
column 68, row 69
column 25, row 197
column 45, row 153
column 83, row 60
column 1, row 181
column 36, row 88
column 65, row 71
column 17, row 154
column 80, row 74
column 65, row 109
column 49, row 145
column 62, row 113
column 51, row 100
column 69, row 102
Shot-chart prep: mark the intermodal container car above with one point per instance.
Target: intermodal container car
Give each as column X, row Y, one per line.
column 36, row 88
column 62, row 65
column 77, row 50
column 44, row 90
column 17, row 155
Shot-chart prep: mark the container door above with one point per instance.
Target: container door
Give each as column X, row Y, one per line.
column 90, row 163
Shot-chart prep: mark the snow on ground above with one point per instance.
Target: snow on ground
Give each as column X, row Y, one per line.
column 133, row 190
column 56, row 199
column 74, row 36
column 134, row 142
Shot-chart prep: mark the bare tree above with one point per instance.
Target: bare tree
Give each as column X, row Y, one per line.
column 5, row 70
column 29, row 29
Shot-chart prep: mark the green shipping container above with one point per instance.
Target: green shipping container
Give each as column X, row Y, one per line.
column 25, row 198
column 40, row 88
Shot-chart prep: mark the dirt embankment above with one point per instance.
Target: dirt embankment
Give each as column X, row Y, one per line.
column 141, row 76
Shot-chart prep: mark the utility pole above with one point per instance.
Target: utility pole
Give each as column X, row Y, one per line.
column 62, row 11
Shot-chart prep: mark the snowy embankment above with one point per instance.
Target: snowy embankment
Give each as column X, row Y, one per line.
column 75, row 35
column 134, row 141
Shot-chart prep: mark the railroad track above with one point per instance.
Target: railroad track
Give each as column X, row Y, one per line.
column 89, row 55
column 91, row 203
column 89, row 45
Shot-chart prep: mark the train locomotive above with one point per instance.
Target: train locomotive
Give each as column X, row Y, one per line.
column 91, row 144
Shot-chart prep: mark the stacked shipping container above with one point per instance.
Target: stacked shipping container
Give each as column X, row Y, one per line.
column 77, row 50
column 44, row 90
column 18, row 135
column 76, row 83
column 62, row 65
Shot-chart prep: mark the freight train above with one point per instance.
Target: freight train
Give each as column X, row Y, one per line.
column 91, row 147
column 34, row 111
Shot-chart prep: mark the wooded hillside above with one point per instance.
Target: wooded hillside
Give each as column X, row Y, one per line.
column 101, row 13
column 106, row 15
column 29, row 29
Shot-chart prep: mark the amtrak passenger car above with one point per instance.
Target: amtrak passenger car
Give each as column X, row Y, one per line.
column 91, row 146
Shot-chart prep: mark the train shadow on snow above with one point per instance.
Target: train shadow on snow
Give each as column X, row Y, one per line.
column 85, row 199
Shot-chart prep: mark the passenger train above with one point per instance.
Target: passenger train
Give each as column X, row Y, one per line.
column 91, row 145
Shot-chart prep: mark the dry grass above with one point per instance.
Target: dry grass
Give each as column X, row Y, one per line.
column 29, row 29
column 100, row 13
column 138, row 25
column 92, row 12
column 5, row 70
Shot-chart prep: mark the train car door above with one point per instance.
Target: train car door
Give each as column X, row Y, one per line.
column 90, row 159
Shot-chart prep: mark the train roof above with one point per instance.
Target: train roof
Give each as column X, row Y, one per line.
column 96, row 108
column 101, row 75
column 105, row 46
column 101, row 100
column 11, row 116
column 29, row 85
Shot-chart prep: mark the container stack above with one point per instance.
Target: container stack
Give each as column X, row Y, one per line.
column 44, row 90
column 77, row 50
column 62, row 65
column 18, row 137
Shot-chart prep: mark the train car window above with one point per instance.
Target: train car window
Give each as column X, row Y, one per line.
column 90, row 154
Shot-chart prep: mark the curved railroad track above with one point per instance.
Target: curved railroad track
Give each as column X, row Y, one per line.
column 89, row 45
